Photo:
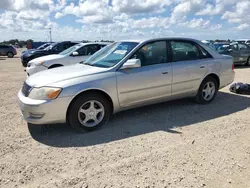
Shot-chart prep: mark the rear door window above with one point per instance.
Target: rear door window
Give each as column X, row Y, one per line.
column 184, row 51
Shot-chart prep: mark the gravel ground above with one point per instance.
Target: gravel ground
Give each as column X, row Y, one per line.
column 174, row 144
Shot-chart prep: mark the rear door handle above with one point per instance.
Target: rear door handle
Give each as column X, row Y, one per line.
column 164, row 72
column 202, row 66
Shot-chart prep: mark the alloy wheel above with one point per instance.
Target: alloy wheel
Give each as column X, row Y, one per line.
column 208, row 91
column 91, row 113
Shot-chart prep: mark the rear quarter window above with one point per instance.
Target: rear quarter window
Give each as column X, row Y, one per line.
column 204, row 53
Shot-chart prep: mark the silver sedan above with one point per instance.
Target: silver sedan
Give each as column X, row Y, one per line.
column 124, row 75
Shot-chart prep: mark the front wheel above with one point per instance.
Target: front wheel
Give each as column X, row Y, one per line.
column 88, row 112
column 207, row 91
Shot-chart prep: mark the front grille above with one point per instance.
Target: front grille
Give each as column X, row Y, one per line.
column 26, row 89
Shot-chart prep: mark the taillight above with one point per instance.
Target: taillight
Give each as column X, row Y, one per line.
column 233, row 66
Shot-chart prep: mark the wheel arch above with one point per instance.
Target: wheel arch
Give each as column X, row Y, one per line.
column 215, row 76
column 10, row 52
column 55, row 65
column 98, row 91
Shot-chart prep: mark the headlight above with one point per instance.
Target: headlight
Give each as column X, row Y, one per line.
column 40, row 63
column 36, row 63
column 45, row 93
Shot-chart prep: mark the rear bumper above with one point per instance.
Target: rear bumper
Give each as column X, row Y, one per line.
column 226, row 79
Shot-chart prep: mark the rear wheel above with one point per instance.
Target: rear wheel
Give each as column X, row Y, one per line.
column 207, row 91
column 10, row 55
column 88, row 112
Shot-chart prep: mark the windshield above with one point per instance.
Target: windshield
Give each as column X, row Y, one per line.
column 50, row 46
column 111, row 54
column 70, row 50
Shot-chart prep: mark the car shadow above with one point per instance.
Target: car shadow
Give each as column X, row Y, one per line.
column 159, row 117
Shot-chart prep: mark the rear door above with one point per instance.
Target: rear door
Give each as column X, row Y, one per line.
column 234, row 52
column 244, row 51
column 189, row 66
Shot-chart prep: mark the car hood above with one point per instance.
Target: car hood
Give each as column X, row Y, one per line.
column 46, row 58
column 45, row 78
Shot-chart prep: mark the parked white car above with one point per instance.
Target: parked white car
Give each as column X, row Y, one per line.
column 75, row 54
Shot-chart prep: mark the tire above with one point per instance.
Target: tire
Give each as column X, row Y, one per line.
column 75, row 117
column 55, row 66
column 10, row 55
column 201, row 94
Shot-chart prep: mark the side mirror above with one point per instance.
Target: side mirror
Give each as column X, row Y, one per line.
column 131, row 63
column 75, row 54
column 230, row 50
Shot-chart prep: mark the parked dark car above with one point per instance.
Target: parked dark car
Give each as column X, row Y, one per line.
column 54, row 48
column 42, row 47
column 7, row 50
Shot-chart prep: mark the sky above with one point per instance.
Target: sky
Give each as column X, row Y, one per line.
column 123, row 19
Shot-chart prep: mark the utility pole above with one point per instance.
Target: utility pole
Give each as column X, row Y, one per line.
column 50, row 35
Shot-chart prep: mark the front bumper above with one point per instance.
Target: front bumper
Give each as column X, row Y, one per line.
column 43, row 111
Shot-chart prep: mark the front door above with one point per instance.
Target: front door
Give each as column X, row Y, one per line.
column 149, row 82
column 244, row 51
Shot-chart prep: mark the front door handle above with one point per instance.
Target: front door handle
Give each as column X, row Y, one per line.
column 164, row 72
column 202, row 66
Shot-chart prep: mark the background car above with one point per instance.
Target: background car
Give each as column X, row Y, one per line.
column 39, row 48
column 55, row 48
column 243, row 41
column 239, row 51
column 7, row 50
column 75, row 54
column 209, row 43
column 124, row 75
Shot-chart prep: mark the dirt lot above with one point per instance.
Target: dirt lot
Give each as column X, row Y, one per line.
column 175, row 144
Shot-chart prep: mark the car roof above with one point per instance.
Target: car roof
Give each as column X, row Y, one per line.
column 242, row 39
column 164, row 38
column 89, row 43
